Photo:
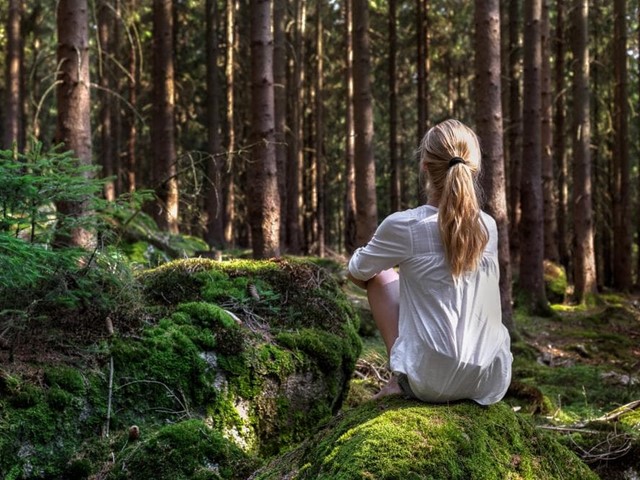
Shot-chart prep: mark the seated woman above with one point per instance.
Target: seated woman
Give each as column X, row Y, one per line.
column 440, row 315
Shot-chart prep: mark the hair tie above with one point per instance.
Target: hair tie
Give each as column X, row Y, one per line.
column 455, row 161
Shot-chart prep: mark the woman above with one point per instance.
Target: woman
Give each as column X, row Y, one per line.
column 440, row 316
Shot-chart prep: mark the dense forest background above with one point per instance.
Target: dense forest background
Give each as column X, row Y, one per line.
column 291, row 126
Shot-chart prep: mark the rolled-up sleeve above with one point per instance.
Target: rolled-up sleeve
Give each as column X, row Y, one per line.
column 390, row 245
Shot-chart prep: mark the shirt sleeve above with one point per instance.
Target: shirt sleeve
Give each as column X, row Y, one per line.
column 390, row 245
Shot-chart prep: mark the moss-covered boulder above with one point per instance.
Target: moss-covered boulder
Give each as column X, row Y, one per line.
column 274, row 343
column 229, row 363
column 396, row 438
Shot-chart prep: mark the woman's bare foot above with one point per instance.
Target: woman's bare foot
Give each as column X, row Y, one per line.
column 391, row 388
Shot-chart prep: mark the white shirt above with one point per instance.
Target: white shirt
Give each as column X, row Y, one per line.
column 452, row 344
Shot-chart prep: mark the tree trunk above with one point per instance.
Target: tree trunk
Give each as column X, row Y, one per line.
column 531, row 278
column 622, row 233
column 105, row 27
column 116, row 103
column 514, row 131
column 13, row 75
column 549, row 186
column 264, row 200
column 585, row 267
column 132, row 164
column 422, row 55
column 365, row 167
column 214, row 204
column 74, row 105
column 280, row 98
column 296, row 153
column 560, row 160
column 230, row 187
column 319, row 140
column 350, row 243
column 163, row 122
column 488, row 94
column 393, row 111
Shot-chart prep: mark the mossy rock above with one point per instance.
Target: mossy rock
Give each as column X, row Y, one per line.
column 267, row 347
column 248, row 356
column 396, row 438
column 187, row 450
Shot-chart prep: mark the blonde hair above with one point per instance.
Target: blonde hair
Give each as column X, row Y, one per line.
column 453, row 186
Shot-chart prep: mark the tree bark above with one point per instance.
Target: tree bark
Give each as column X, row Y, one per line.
column 280, row 98
column 549, row 186
column 132, row 85
column 105, row 27
column 515, row 131
column 214, row 204
column 319, row 140
column 585, row 267
column 393, row 110
column 488, row 94
column 421, row 66
column 163, row 122
column 230, row 186
column 622, row 233
column 365, row 168
column 74, row 105
column 296, row 154
column 350, row 243
column 560, row 160
column 531, row 276
column 264, row 200
column 13, row 76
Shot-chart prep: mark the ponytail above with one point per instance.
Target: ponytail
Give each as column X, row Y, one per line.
column 464, row 236
column 451, row 155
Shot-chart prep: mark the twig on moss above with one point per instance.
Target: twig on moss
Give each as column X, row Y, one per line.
column 106, row 427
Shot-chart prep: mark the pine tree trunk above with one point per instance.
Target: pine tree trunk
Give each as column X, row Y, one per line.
column 13, row 75
column 280, row 98
column 296, row 157
column 393, row 110
column 549, row 186
column 560, row 161
column 622, row 233
column 319, row 140
column 229, row 184
column 74, row 104
column 116, row 103
column 531, row 277
column 132, row 164
column 214, row 204
column 163, row 122
column 421, row 66
column 264, row 200
column 515, row 131
column 365, row 167
column 105, row 26
column 488, row 94
column 584, row 258
column 350, row 243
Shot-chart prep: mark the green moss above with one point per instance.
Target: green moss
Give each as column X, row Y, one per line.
column 555, row 280
column 67, row 378
column 326, row 348
column 401, row 439
column 184, row 451
column 39, row 426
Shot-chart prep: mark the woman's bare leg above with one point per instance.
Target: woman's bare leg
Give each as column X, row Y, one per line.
column 383, row 292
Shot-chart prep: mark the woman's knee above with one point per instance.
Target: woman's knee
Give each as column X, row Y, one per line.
column 383, row 278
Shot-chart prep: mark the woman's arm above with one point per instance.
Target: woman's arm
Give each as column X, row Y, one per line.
column 359, row 283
